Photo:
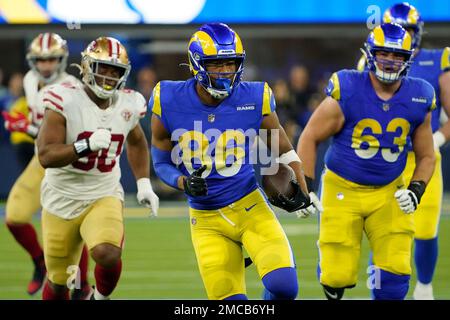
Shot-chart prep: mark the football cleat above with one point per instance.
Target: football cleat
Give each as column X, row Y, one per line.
column 423, row 291
column 39, row 274
column 82, row 294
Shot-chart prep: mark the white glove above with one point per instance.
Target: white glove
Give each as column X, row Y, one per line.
column 438, row 139
column 407, row 200
column 146, row 196
column 100, row 139
column 314, row 208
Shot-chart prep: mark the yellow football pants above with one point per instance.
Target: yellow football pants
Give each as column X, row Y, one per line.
column 218, row 237
column 350, row 209
column 101, row 222
column 24, row 198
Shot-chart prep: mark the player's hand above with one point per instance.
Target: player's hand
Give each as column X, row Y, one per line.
column 314, row 208
column 438, row 140
column 409, row 199
column 100, row 139
column 299, row 201
column 17, row 122
column 146, row 197
column 195, row 185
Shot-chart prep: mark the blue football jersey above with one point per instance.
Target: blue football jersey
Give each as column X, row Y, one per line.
column 370, row 148
column 428, row 65
column 219, row 137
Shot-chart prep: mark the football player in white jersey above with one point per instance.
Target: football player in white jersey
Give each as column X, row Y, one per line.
column 47, row 57
column 84, row 131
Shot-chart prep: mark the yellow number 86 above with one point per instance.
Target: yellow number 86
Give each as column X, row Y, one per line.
column 195, row 145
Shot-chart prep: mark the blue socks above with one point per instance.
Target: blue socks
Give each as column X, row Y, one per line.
column 391, row 287
column 280, row 284
column 425, row 258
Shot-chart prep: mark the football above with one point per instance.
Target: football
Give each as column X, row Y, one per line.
column 279, row 182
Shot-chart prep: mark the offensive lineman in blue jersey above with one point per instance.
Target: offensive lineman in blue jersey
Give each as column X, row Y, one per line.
column 200, row 144
column 432, row 66
column 372, row 116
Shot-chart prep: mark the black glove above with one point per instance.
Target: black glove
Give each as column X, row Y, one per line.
column 195, row 185
column 297, row 202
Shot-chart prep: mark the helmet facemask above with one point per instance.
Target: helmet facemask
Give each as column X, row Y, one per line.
column 100, row 83
column 216, row 42
column 387, row 70
column 220, row 84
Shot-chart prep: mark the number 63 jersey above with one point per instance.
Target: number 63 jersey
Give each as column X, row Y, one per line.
column 98, row 174
column 370, row 148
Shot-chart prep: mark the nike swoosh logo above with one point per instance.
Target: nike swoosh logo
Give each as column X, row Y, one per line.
column 250, row 208
column 331, row 295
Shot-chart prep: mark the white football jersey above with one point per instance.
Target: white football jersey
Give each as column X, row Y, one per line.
column 34, row 95
column 97, row 175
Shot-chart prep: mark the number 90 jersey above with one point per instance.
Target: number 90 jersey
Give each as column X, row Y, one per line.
column 219, row 137
column 370, row 147
column 98, row 174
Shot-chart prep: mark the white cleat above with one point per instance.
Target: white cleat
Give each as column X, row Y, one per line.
column 423, row 291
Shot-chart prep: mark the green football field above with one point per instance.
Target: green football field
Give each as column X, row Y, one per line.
column 159, row 261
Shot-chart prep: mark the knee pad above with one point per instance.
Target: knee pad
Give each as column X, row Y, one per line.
column 391, row 286
column 281, row 284
column 333, row 293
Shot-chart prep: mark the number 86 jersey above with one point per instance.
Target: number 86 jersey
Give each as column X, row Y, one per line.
column 371, row 147
column 98, row 174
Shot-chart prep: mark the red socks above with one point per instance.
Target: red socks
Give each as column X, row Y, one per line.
column 49, row 294
column 26, row 236
column 84, row 263
column 106, row 278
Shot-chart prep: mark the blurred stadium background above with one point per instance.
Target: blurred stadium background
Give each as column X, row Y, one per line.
column 294, row 45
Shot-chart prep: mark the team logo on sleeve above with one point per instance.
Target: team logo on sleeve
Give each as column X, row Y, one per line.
column 126, row 114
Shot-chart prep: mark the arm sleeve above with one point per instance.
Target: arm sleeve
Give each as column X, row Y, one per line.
column 164, row 167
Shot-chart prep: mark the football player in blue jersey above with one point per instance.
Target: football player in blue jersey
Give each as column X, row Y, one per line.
column 202, row 133
column 432, row 66
column 372, row 117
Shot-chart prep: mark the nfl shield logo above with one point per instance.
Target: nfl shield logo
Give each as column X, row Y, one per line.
column 385, row 107
column 211, row 117
column 194, row 221
column 126, row 114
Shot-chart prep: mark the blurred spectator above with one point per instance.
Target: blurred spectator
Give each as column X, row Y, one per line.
column 14, row 92
column 22, row 143
column 3, row 89
column 146, row 80
column 286, row 110
column 7, row 98
column 301, row 90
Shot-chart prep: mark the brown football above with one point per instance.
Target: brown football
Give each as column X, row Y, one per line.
column 279, row 182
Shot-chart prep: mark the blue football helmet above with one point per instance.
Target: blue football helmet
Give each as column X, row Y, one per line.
column 216, row 41
column 408, row 17
column 388, row 37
